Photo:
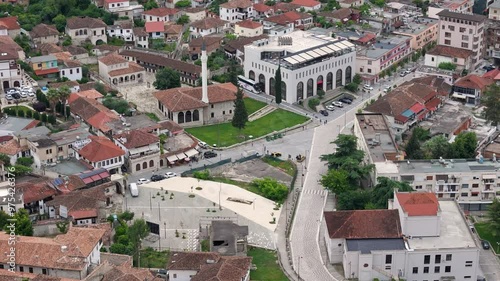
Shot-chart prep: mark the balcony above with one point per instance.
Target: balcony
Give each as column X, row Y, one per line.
column 495, row 54
column 144, row 154
column 446, row 189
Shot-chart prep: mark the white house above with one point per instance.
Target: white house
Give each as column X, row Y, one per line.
column 236, row 10
column 70, row 69
column 161, row 14
column 83, row 28
column 195, row 14
column 123, row 30
column 308, row 63
column 308, row 5
column 462, row 58
column 102, row 153
column 248, row 28
column 208, row 26
column 118, row 71
column 10, row 72
column 141, row 38
column 142, row 150
column 123, row 8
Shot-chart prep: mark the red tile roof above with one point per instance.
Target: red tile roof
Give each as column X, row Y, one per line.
column 288, row 17
column 83, row 214
column 131, row 69
column 112, row 58
column 208, row 23
column 100, row 148
column 367, row 38
column 473, row 81
column 161, row 12
column 492, row 74
column 433, row 104
column 155, row 26
column 42, row 30
column 84, row 22
column 32, row 125
column 237, row 4
column 249, row 24
column 10, row 148
column 36, row 190
column 452, row 52
column 91, row 94
column 10, row 23
column 306, row 3
column 418, row 203
column 93, row 112
column 136, row 138
column 40, row 72
column 363, row 224
column 261, row 8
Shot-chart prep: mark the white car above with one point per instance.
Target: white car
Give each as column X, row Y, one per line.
column 330, row 107
column 9, row 97
column 403, row 74
column 142, row 181
column 337, row 104
column 24, row 94
column 31, row 94
column 170, row 175
column 368, row 87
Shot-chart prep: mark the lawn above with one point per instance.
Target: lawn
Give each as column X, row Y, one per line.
column 267, row 267
column 153, row 117
column 253, row 105
column 245, row 185
column 225, row 134
column 286, row 166
column 485, row 234
column 154, row 259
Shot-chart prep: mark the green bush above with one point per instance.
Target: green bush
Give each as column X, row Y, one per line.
column 119, row 105
column 25, row 161
column 352, row 87
column 202, row 175
column 447, row 66
column 183, row 4
column 271, row 189
column 313, row 103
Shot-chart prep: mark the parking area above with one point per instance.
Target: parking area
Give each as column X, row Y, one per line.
column 339, row 102
column 18, row 95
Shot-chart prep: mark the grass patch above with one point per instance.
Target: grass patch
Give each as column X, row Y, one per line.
column 286, row 166
column 245, row 185
column 485, row 234
column 154, row 259
column 225, row 134
column 253, row 105
column 267, row 267
column 205, row 245
column 153, row 117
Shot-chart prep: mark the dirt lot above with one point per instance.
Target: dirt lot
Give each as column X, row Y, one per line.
column 250, row 170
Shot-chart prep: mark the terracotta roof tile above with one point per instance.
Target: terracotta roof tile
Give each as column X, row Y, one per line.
column 173, row 28
column 100, row 148
column 10, row 148
column 163, row 61
column 418, row 203
column 10, row 23
column 132, row 68
column 249, row 24
column 139, row 31
column 136, row 138
column 112, row 58
column 88, row 109
column 239, row 43
column 492, row 74
column 285, row 7
column 209, row 40
column 171, row 126
column 91, row 94
column 154, row 26
column 35, row 190
column 49, row 48
column 228, row 269
column 288, row 17
column 237, row 4
column 208, row 23
column 473, row 81
column 363, row 224
column 161, row 12
column 447, row 51
column 84, row 22
column 261, row 8
column 306, row 3
column 42, row 30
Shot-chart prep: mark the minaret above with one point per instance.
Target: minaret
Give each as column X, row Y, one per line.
column 204, row 74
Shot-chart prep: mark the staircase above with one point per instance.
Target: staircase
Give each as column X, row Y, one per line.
column 261, row 112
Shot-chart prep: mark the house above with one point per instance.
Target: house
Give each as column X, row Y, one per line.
column 123, row 8
column 207, row 26
column 100, row 152
column 90, row 94
column 93, row 113
column 161, row 14
column 136, row 122
column 195, row 14
column 228, row 238
column 36, row 191
column 119, row 267
column 351, row 3
column 202, row 266
column 494, row 11
column 142, row 150
column 248, row 28
column 103, row 50
column 308, row 5
column 141, row 38
column 470, row 87
column 122, row 30
column 422, row 32
column 492, row 37
column 118, row 71
column 449, row 121
column 188, row 72
column 493, row 74
column 172, row 32
column 292, row 19
column 462, row 58
column 236, row 10
column 12, row 149
column 212, row 44
column 45, row 66
column 43, row 33
column 262, row 10
column 362, row 38
column 384, row 22
column 283, row 7
column 67, row 139
column 69, row 255
column 71, row 69
column 11, row 25
column 49, row 48
column 342, row 15
column 43, row 150
column 155, row 29
column 400, row 242
column 236, row 48
column 10, row 71
column 85, row 28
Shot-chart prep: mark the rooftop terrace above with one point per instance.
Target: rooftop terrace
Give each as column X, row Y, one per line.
column 377, row 136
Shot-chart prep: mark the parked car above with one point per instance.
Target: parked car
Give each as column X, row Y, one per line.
column 209, row 154
column 323, row 112
column 16, row 96
column 368, row 87
column 143, row 181
column 408, row 70
column 338, row 104
column 202, row 144
column 485, row 245
column 171, row 174
column 403, row 74
column 345, row 100
column 24, row 94
column 8, row 97
column 276, row 154
column 31, row 94
column 330, row 107
column 157, row 177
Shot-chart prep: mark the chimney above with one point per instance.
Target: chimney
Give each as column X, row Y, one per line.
column 204, row 74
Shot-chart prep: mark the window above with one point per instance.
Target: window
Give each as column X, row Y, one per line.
column 432, row 58
column 465, row 37
column 465, row 45
column 437, row 259
column 447, row 42
column 447, row 34
column 175, row 275
column 463, row 29
column 415, row 270
column 44, row 271
column 467, row 277
column 448, row 257
column 212, row 115
column 21, row 269
column 31, row 269
column 1, row 265
column 464, row 194
column 465, row 185
column 437, row 269
column 447, row 268
column 451, row 27
column 388, row 259
column 211, row 106
column 468, row 264
column 71, row 71
column 426, row 269
column 427, row 259
column 60, row 149
column 369, row 62
column 429, row 178
column 369, row 70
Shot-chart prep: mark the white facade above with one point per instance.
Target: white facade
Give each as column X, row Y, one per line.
column 435, row 60
column 199, row 32
column 117, row 31
column 10, row 72
column 248, row 32
column 181, row 275
column 93, row 34
column 302, row 74
column 108, row 164
column 72, row 73
column 235, row 14
column 167, row 18
column 124, row 9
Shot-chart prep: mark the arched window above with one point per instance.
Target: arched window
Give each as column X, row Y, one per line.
column 348, row 74
column 283, row 90
column 310, row 89
column 319, row 83
column 251, row 75
column 329, row 81
column 272, row 85
column 161, row 162
column 300, row 91
column 144, row 165
column 138, row 167
column 338, row 78
column 262, row 81
column 188, row 116
column 180, row 117
column 151, row 163
column 132, row 77
column 196, row 115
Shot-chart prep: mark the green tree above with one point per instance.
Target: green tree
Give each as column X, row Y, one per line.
column 20, row 170
column 60, row 22
column 436, row 147
column 240, row 117
column 277, row 85
column 412, row 148
column 271, row 189
column 182, row 20
column 357, row 79
column 337, row 181
column 51, row 119
column 447, row 66
column 29, row 114
column 321, row 94
column 352, row 87
column 493, row 216
column 5, row 159
column 3, row 219
column 126, row 216
column 183, row 4
column 53, row 98
column 384, row 190
column 353, row 200
column 62, row 226
column 491, row 99
column 230, row 36
column 22, row 222
column 24, row 161
column 64, row 92
column 465, row 145
column 365, row 9
column 150, row 4
column 167, row 78
column 138, row 231
column 36, row 115
column 43, row 118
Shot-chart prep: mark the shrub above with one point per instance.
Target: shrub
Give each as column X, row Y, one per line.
column 40, row 106
column 321, row 94
column 447, row 66
column 202, row 175
column 352, row 87
column 313, row 103
column 271, row 189
column 25, row 161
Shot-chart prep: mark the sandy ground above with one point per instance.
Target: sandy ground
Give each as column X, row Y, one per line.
column 253, row 169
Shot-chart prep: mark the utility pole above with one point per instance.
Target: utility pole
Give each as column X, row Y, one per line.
column 150, row 203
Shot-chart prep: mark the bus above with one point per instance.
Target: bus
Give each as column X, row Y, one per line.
column 248, row 84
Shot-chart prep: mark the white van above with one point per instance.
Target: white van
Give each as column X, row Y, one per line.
column 134, row 190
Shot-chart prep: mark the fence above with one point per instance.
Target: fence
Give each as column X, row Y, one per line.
column 217, row 164
column 244, row 159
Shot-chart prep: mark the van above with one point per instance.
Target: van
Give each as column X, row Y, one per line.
column 134, row 190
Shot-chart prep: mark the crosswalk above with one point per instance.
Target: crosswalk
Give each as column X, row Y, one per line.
column 315, row 191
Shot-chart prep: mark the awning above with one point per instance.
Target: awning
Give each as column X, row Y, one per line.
column 96, row 178
column 192, row 152
column 181, row 156
column 416, row 108
column 459, row 96
column 488, row 177
column 408, row 113
column 87, row 180
column 172, row 158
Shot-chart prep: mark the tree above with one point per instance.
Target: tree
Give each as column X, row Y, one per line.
column 493, row 216
column 436, row 147
column 447, row 66
column 240, row 117
column 412, row 148
column 36, row 115
column 43, row 118
column 20, row 170
column 60, row 22
column 23, row 225
column 24, row 161
column 277, row 85
column 151, row 4
column 321, row 94
column 53, row 98
column 352, row 87
column 182, row 20
column 137, row 231
column 51, row 119
column 491, row 99
column 126, row 216
column 5, row 159
column 271, row 189
column 384, row 190
column 357, row 79
column 183, row 4
column 337, row 181
column 465, row 145
column 29, row 114
column 64, row 92
column 353, row 200
column 167, row 78
column 100, row 88
column 3, row 219
column 62, row 226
